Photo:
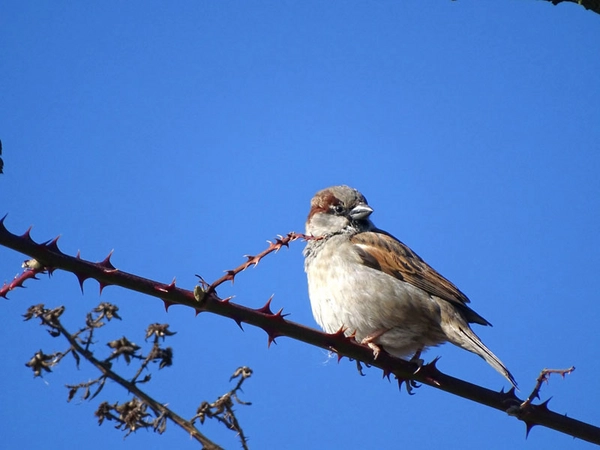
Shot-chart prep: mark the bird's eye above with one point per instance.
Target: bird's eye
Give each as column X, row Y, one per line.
column 338, row 209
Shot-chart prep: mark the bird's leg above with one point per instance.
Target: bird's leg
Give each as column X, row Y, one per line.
column 368, row 340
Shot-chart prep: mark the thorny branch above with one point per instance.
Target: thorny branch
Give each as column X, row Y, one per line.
column 280, row 241
column 133, row 414
column 275, row 325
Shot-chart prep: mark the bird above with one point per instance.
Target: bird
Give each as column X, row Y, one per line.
column 374, row 287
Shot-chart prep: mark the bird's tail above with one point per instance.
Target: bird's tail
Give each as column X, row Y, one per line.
column 457, row 330
column 467, row 339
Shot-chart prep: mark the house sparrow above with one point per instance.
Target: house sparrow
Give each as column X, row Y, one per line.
column 375, row 287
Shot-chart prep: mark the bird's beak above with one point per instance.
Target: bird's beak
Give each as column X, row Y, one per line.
column 360, row 211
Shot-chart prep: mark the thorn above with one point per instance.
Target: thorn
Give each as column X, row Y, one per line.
column 278, row 315
column 434, row 362
column 279, row 243
column 27, row 236
column 285, row 241
column 106, row 264
column 252, row 261
column 53, row 245
column 510, row 396
column 544, row 405
column 272, row 337
column 103, row 285
column 239, row 323
column 230, row 275
column 340, row 333
column 166, row 287
column 529, row 426
column 267, row 308
column 273, row 334
column 81, row 278
column 167, row 304
column 430, row 369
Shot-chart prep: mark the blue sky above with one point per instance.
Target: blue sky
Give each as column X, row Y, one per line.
column 185, row 135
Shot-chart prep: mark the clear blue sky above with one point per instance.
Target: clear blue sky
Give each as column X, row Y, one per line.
column 183, row 135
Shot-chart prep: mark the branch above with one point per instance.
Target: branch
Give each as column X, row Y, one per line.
column 592, row 5
column 132, row 409
column 275, row 325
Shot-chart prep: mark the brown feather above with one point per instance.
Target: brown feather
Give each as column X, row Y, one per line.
column 380, row 250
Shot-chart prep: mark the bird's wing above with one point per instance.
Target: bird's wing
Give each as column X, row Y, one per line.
column 382, row 251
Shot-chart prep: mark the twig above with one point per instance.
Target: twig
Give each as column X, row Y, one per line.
column 51, row 318
column 544, row 377
column 280, row 241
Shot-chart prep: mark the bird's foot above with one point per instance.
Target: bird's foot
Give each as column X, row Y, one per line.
column 359, row 367
column 368, row 340
column 410, row 385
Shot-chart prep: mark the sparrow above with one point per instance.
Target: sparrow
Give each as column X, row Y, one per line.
column 365, row 281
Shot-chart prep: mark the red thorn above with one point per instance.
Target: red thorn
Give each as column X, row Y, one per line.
column 529, row 426
column 198, row 311
column 267, row 308
column 278, row 315
column 103, row 285
column 106, row 264
column 272, row 340
column 53, row 245
column 239, row 323
column 279, row 243
column 284, row 241
column 167, row 304
column 273, row 334
column 339, row 357
column 81, row 278
column 171, row 285
column 27, row 235
column 430, row 369
column 339, row 334
column 166, row 287
column 252, row 261
column 386, row 374
column 230, row 275
column 544, row 405
column 78, row 255
column 510, row 395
